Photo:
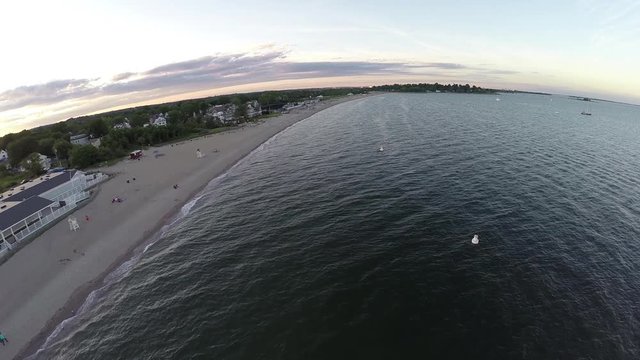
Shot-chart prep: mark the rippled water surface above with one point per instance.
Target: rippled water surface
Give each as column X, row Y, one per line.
column 318, row 246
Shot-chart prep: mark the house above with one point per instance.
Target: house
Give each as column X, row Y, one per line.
column 123, row 125
column 296, row 105
column 222, row 113
column 253, row 108
column 44, row 161
column 80, row 139
column 159, row 120
column 4, row 159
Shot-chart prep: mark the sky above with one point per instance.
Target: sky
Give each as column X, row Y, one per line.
column 65, row 58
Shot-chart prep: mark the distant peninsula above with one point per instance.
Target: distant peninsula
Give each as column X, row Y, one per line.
column 435, row 88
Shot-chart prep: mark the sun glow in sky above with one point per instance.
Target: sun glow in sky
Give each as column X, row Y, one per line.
column 68, row 58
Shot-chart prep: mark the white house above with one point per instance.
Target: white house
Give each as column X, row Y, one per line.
column 223, row 113
column 159, row 120
column 4, row 159
column 253, row 108
column 123, row 125
column 45, row 162
column 80, row 139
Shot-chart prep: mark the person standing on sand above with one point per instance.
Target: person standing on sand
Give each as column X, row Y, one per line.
column 3, row 339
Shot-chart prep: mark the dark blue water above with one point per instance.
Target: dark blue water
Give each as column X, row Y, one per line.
column 317, row 246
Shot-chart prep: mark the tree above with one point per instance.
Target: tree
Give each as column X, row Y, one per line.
column 45, row 146
column 32, row 166
column 241, row 108
column 266, row 99
column 176, row 117
column 19, row 149
column 84, row 155
column 139, row 118
column 6, row 140
column 98, row 128
column 60, row 127
column 62, row 148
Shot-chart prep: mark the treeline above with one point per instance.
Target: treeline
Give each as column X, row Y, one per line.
column 185, row 118
column 423, row 88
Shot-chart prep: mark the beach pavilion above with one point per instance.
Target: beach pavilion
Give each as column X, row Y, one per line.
column 29, row 208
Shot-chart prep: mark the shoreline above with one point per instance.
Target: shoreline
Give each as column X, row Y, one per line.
column 256, row 136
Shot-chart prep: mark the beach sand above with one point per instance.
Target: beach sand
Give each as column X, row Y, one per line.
column 47, row 280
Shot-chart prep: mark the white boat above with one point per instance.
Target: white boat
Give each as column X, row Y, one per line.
column 475, row 240
column 381, row 149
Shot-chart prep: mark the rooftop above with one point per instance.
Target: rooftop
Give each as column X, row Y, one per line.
column 20, row 210
column 36, row 187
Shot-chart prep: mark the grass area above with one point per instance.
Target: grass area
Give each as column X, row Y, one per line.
column 8, row 181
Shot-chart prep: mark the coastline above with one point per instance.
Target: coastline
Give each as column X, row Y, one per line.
column 42, row 290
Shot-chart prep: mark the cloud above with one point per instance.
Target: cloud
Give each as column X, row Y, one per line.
column 50, row 92
column 122, row 76
column 51, row 100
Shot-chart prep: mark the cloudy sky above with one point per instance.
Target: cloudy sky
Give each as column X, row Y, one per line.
column 67, row 58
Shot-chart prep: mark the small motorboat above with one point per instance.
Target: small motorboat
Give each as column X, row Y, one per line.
column 475, row 240
column 381, row 149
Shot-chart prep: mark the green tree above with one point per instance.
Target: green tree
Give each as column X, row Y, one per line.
column 6, row 140
column 32, row 166
column 60, row 127
column 19, row 149
column 82, row 156
column 267, row 99
column 139, row 118
column 62, row 148
column 98, row 128
column 176, row 117
column 241, row 108
column 45, row 146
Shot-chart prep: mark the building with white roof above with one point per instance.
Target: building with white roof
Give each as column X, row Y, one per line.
column 27, row 209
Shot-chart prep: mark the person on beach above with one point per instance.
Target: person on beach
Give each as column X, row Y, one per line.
column 3, row 339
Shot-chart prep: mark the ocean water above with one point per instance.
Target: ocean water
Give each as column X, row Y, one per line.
column 318, row 246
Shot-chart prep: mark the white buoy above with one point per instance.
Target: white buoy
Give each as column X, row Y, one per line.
column 475, row 240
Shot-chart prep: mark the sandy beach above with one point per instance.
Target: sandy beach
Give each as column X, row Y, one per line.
column 45, row 282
